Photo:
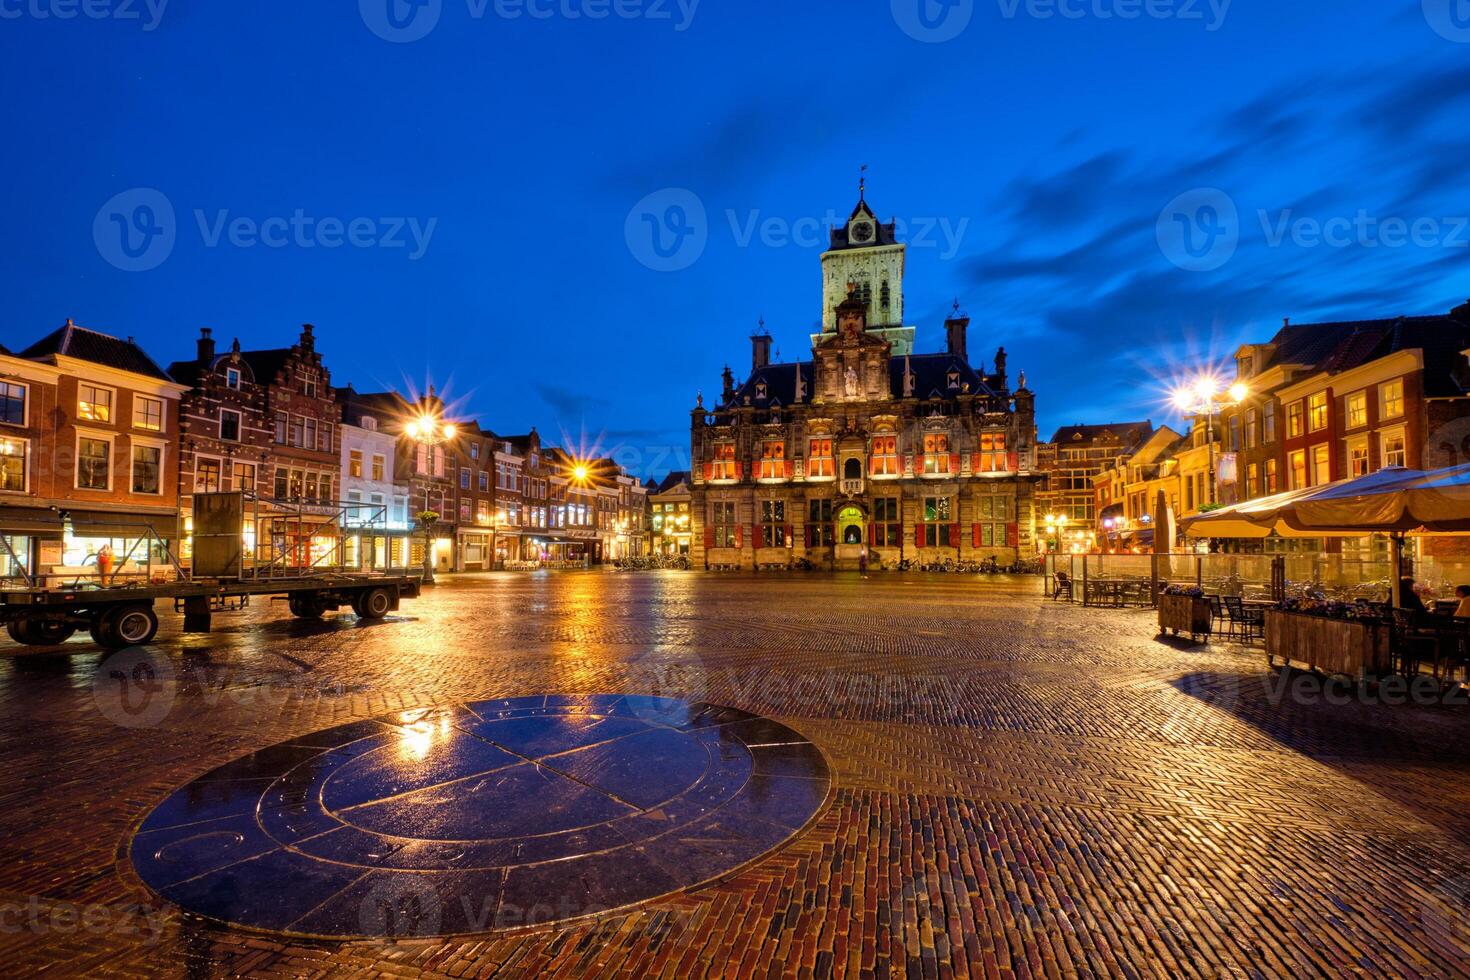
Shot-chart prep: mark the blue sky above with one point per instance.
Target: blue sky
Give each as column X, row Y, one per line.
column 467, row 205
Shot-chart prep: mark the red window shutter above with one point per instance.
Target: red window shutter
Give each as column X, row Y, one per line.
column 954, row 462
column 975, row 463
column 739, row 471
column 709, row 537
column 975, row 534
column 807, row 534
column 918, row 535
column 709, row 471
column 1013, row 535
column 790, row 468
column 1013, row 462
column 872, row 534
column 954, row 535
column 786, row 536
column 737, row 535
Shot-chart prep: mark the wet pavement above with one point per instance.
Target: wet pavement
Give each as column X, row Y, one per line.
column 815, row 776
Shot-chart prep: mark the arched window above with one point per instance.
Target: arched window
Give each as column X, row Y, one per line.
column 885, row 297
column 852, row 469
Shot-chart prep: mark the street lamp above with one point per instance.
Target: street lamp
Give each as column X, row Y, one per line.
column 1204, row 397
column 431, row 432
column 1055, row 525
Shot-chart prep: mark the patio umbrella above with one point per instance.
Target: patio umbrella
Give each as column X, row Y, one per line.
column 1392, row 501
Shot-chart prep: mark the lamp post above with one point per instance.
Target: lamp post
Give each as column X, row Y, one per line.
column 430, row 431
column 1055, row 525
column 1204, row 397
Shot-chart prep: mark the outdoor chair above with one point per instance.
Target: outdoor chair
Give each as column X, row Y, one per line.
column 1249, row 622
column 1063, row 587
column 1411, row 647
column 1217, row 615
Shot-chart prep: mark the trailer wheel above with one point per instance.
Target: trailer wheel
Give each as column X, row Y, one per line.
column 126, row 626
column 306, row 606
column 372, row 603
column 39, row 632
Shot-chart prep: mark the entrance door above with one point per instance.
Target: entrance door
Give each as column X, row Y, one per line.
column 850, row 525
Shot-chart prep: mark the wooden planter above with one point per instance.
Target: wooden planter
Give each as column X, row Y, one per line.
column 1331, row 646
column 1184, row 614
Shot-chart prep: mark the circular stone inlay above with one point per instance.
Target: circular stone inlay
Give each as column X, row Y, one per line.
column 481, row 816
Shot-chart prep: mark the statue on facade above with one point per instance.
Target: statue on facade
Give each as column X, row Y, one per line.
column 852, row 382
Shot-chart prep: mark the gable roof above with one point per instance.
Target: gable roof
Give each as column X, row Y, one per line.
column 83, row 344
column 1128, row 433
column 1343, row 345
column 266, row 364
column 669, row 482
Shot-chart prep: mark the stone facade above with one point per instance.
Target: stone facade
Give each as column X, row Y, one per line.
column 861, row 451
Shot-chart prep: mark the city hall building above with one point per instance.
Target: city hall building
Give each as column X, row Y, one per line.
column 868, row 449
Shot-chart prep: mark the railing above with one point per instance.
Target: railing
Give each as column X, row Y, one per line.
column 852, row 487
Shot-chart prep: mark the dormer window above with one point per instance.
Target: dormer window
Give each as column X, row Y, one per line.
column 760, row 389
column 369, row 423
column 954, row 379
column 232, row 378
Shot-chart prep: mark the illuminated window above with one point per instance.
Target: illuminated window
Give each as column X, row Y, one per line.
column 773, row 460
column 1357, row 409
column 1273, row 484
column 1317, row 411
column 13, row 464
column 94, row 464
column 993, row 452
column 1358, row 459
column 1298, row 461
column 354, row 463
column 148, row 413
column 245, row 477
column 936, row 453
column 1321, row 465
column 1294, row 420
column 885, row 456
column 722, row 523
column 206, row 475
column 773, row 524
column 724, row 464
column 819, row 460
column 93, row 403
column 1393, row 449
column 1391, row 397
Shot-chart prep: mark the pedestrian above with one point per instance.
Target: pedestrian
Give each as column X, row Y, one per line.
column 863, row 562
column 1462, row 611
column 1408, row 598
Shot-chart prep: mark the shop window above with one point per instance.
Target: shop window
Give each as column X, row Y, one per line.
column 94, row 464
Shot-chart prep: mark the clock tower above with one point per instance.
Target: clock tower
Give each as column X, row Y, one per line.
column 865, row 263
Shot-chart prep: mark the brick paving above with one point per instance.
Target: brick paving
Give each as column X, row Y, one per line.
column 1020, row 788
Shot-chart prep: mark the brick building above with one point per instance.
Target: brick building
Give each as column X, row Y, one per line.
column 1072, row 459
column 88, row 456
column 866, row 447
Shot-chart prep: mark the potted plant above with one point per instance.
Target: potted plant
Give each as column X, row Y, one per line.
column 1184, row 609
column 1329, row 636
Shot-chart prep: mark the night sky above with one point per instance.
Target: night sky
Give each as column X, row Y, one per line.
column 492, row 187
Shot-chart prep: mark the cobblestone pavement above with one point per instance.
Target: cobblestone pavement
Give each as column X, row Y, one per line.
column 1019, row 788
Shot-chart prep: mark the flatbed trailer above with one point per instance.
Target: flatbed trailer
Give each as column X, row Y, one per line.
column 123, row 616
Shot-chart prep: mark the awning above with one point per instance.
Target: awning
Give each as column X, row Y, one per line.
column 40, row 522
column 109, row 524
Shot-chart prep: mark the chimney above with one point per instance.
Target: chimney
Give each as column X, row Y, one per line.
column 1000, row 366
column 955, row 328
column 206, row 346
column 760, row 351
column 727, row 387
column 308, row 340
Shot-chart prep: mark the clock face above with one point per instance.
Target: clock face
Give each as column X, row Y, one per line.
column 862, row 232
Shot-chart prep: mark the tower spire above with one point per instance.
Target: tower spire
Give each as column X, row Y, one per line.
column 863, row 185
